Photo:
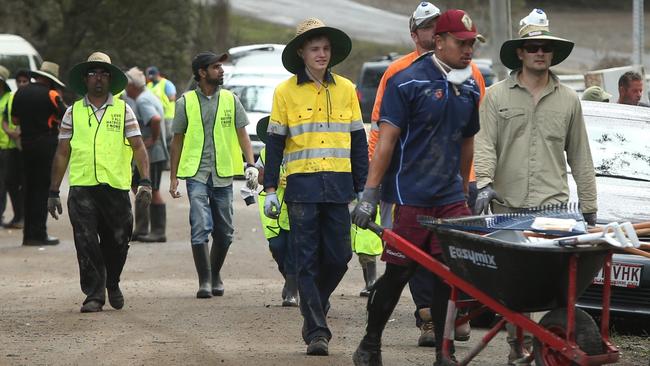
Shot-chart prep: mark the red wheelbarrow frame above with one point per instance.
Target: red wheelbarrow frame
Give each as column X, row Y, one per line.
column 567, row 347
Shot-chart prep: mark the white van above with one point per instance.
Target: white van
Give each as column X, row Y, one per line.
column 16, row 53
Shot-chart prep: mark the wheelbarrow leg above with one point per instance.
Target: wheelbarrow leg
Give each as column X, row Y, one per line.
column 450, row 323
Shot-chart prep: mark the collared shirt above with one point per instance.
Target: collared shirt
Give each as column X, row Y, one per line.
column 131, row 127
column 323, row 186
column 521, row 147
column 209, row 105
column 434, row 117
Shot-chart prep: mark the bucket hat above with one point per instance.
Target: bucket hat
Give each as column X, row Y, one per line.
column 262, row 126
column 534, row 26
column 95, row 60
column 596, row 94
column 340, row 42
column 48, row 70
column 4, row 75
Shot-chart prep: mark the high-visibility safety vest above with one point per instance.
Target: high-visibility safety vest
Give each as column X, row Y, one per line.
column 5, row 105
column 99, row 152
column 365, row 241
column 228, row 155
column 169, row 106
column 272, row 226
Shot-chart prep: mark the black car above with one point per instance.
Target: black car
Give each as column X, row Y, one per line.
column 618, row 136
column 368, row 81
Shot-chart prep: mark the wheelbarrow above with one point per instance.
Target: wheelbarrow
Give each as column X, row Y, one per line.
column 511, row 276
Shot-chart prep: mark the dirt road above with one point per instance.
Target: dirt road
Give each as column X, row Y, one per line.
column 163, row 323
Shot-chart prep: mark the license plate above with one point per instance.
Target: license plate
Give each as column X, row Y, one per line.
column 623, row 275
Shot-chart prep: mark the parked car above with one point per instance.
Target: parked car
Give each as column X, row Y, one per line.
column 16, row 53
column 368, row 82
column 618, row 136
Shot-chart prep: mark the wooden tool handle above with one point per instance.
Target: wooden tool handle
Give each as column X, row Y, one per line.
column 637, row 227
column 637, row 252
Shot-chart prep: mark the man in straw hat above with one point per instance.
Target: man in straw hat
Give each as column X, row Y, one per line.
column 37, row 109
column 316, row 128
column 99, row 138
column 429, row 115
column 528, row 122
column 422, row 25
column 208, row 162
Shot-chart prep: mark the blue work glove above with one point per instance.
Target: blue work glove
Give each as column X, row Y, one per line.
column 271, row 206
column 483, row 198
column 366, row 209
column 590, row 218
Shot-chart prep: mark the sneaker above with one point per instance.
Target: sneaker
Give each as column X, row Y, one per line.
column 92, row 306
column 318, row 347
column 364, row 292
column 427, row 336
column 366, row 357
column 115, row 298
column 14, row 224
column 49, row 240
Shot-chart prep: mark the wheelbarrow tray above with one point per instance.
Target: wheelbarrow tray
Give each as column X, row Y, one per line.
column 525, row 277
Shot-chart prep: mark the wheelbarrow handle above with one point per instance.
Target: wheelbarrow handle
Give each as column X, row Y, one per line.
column 375, row 228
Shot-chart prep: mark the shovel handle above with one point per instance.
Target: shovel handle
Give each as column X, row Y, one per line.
column 636, row 251
column 637, row 227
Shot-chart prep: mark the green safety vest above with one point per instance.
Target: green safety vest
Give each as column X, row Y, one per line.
column 99, row 152
column 272, row 226
column 365, row 241
column 5, row 105
column 169, row 106
column 228, row 156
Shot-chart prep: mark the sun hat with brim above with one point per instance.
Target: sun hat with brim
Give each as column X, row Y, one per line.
column 561, row 47
column 4, row 75
column 96, row 60
column 340, row 44
column 48, row 70
column 262, row 126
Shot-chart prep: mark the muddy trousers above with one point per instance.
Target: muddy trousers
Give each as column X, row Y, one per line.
column 102, row 223
column 320, row 236
column 385, row 295
column 282, row 253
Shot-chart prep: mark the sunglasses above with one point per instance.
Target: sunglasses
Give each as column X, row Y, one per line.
column 533, row 48
column 98, row 74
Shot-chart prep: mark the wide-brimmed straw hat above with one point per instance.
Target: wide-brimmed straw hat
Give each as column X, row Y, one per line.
column 96, row 60
column 340, row 44
column 4, row 75
column 534, row 27
column 48, row 70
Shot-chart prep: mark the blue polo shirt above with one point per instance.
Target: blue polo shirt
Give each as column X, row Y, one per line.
column 434, row 117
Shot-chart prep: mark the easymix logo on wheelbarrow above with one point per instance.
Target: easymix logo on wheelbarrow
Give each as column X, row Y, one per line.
column 482, row 259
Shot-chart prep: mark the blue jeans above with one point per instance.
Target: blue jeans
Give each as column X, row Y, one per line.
column 320, row 236
column 210, row 213
column 283, row 254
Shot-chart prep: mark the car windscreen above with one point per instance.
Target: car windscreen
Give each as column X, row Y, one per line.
column 260, row 59
column 619, row 143
column 372, row 76
column 15, row 62
column 254, row 98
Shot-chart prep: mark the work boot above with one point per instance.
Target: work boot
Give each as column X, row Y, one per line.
column 427, row 336
column 217, row 257
column 141, row 221
column 517, row 356
column 366, row 355
column 370, row 276
column 158, row 223
column 115, row 297
column 290, row 296
column 92, row 306
column 318, row 347
column 200, row 254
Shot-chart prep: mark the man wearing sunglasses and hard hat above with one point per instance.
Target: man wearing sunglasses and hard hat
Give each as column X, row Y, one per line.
column 528, row 122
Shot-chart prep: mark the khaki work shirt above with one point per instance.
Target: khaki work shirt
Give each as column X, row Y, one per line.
column 521, row 146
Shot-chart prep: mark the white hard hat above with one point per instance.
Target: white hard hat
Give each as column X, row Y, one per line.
column 536, row 17
column 423, row 13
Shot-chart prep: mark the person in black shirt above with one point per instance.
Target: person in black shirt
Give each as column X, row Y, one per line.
column 37, row 109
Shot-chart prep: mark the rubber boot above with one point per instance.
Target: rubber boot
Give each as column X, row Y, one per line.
column 371, row 272
column 158, row 214
column 290, row 297
column 141, row 222
column 217, row 257
column 200, row 253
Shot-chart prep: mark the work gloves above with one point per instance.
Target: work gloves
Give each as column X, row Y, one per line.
column 590, row 218
column 272, row 206
column 54, row 204
column 483, row 199
column 251, row 174
column 143, row 195
column 366, row 209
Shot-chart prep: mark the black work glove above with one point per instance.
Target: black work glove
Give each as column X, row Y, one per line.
column 483, row 198
column 590, row 218
column 366, row 209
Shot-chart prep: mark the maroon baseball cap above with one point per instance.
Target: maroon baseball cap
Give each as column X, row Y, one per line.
column 457, row 23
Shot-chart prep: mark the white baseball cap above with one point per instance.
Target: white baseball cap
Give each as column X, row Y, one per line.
column 422, row 14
